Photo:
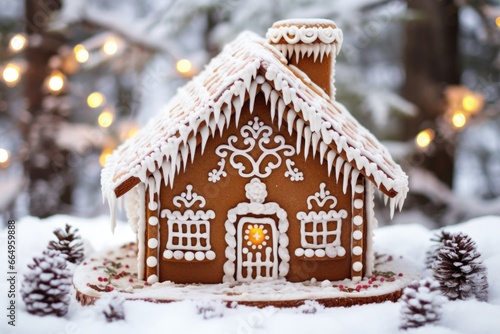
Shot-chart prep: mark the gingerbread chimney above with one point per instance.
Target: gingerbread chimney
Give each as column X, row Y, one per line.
column 310, row 44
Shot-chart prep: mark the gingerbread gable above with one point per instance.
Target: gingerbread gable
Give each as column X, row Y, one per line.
column 213, row 100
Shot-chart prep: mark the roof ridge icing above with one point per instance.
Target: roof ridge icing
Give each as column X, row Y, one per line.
column 215, row 97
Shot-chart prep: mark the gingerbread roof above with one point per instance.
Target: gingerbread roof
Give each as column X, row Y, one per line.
column 207, row 103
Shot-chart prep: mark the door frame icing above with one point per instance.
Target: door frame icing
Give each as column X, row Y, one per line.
column 256, row 194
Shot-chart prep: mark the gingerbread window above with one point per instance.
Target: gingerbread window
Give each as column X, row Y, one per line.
column 188, row 232
column 320, row 232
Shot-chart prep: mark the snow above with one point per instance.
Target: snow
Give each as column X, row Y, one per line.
column 410, row 241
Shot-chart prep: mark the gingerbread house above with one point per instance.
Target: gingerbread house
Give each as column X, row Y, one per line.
column 254, row 171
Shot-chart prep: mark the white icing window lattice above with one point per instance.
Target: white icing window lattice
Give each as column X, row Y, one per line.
column 320, row 232
column 188, row 232
column 188, row 235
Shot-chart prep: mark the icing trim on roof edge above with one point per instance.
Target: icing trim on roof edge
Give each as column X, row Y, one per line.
column 289, row 84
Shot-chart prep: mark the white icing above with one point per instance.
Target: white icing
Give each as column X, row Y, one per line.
column 315, row 227
column 357, row 235
column 358, row 203
column 181, row 225
column 321, row 198
column 131, row 202
column 210, row 255
column 171, row 137
column 294, row 33
column 273, row 258
column 267, row 258
column 153, row 243
column 329, row 251
column 371, row 223
column 188, row 231
column 152, row 279
column 357, row 250
column 138, row 156
column 293, row 173
column 151, row 261
column 216, row 174
column 141, row 231
column 357, row 266
column 189, row 256
column 357, row 220
column 340, row 251
column 188, row 198
column 153, row 188
column 255, row 135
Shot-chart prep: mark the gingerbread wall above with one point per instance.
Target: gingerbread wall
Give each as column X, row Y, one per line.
column 229, row 191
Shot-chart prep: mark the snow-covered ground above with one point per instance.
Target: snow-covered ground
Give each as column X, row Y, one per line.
column 410, row 241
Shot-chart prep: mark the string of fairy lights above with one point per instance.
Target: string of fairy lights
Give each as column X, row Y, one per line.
column 105, row 44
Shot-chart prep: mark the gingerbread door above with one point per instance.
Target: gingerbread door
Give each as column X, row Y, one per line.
column 256, row 238
column 257, row 249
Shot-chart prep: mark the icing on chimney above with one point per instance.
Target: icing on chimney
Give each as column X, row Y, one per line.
column 310, row 44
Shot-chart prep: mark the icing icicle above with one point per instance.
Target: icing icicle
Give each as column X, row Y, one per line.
column 307, row 141
column 290, row 117
column 347, row 170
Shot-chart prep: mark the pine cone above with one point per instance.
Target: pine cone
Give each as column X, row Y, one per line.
column 45, row 288
column 69, row 243
column 431, row 254
column 459, row 269
column 111, row 305
column 421, row 303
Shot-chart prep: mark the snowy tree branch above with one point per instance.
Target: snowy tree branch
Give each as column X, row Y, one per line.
column 458, row 207
column 140, row 32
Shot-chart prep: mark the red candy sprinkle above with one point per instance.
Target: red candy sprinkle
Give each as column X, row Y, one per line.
column 358, row 287
column 382, row 279
column 84, row 263
column 105, row 279
column 117, row 276
column 400, row 274
column 341, row 287
column 127, row 266
column 95, row 268
column 99, row 279
column 130, row 279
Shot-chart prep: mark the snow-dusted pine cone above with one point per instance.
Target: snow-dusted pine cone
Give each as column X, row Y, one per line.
column 422, row 302
column 431, row 254
column 45, row 288
column 459, row 269
column 69, row 243
column 111, row 305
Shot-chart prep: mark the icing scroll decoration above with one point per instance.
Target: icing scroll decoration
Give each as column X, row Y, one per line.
column 293, row 173
column 216, row 174
column 188, row 232
column 320, row 232
column 188, row 198
column 256, row 135
column 321, row 198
